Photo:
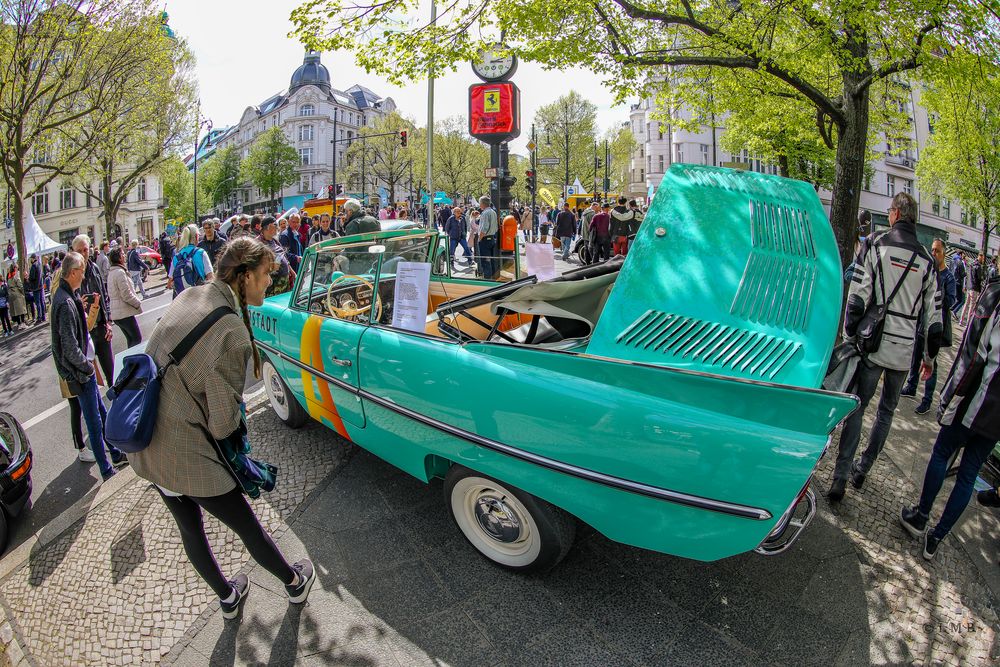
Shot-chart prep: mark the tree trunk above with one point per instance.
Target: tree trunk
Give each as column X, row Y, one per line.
column 110, row 217
column 22, row 250
column 849, row 173
column 783, row 166
column 985, row 242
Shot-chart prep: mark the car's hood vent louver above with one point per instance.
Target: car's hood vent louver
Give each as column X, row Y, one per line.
column 710, row 346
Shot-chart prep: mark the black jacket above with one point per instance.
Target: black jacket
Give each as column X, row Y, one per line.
column 565, row 224
column 359, row 223
column 971, row 394
column 213, row 247
column 623, row 221
column 69, row 336
column 94, row 282
column 34, row 282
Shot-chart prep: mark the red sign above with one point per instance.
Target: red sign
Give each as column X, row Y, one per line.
column 494, row 111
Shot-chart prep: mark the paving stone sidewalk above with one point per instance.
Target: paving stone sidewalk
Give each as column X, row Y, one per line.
column 398, row 585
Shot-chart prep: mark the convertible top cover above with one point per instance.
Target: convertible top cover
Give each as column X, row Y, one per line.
column 732, row 273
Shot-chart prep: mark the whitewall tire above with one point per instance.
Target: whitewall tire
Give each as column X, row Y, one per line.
column 284, row 404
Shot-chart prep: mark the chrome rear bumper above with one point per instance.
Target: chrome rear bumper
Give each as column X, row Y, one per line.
column 791, row 524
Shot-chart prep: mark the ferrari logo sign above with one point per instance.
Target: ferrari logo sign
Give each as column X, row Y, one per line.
column 491, row 101
column 494, row 112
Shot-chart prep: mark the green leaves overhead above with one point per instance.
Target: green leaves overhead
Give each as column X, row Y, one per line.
column 272, row 162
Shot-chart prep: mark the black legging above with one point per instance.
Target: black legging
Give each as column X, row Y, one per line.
column 130, row 327
column 233, row 510
column 76, row 422
column 5, row 319
column 105, row 357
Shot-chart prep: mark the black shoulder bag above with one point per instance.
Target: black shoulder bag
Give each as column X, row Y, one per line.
column 873, row 321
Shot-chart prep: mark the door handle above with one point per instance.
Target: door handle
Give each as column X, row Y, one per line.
column 341, row 362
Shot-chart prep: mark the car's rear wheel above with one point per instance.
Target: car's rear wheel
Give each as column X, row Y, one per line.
column 283, row 403
column 505, row 524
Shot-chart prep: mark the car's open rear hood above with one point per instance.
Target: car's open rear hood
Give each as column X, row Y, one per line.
column 733, row 273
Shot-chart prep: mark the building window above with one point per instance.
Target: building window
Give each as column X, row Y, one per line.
column 305, row 156
column 67, row 197
column 660, row 160
column 704, row 153
column 642, row 174
column 40, row 202
column 679, row 153
column 936, row 206
column 142, row 189
column 907, row 186
column 969, row 218
column 307, row 110
column 306, row 133
column 659, row 127
column 945, row 208
column 306, row 183
column 890, row 185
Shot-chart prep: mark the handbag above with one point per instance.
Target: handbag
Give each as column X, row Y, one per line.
column 251, row 475
column 556, row 243
column 873, row 321
column 135, row 397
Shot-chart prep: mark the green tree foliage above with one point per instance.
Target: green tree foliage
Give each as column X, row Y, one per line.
column 828, row 56
column 381, row 159
column 962, row 159
column 220, row 175
column 178, row 190
column 569, row 121
column 62, row 65
column 621, row 144
column 272, row 163
column 459, row 160
column 150, row 120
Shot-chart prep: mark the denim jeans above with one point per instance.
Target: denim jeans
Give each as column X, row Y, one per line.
column 565, row 241
column 914, row 376
column 94, row 415
column 949, row 440
column 460, row 241
column 490, row 263
column 137, row 282
column 864, row 385
column 38, row 296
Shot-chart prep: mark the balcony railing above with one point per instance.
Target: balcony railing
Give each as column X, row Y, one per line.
column 907, row 161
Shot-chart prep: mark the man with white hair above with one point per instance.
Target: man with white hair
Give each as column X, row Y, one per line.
column 358, row 221
column 95, row 285
column 71, row 352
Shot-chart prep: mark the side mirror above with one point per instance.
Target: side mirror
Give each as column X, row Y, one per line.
column 376, row 249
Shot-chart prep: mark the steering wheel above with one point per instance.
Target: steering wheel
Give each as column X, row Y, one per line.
column 349, row 312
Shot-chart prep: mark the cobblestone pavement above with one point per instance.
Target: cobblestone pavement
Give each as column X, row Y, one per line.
column 116, row 588
column 398, row 585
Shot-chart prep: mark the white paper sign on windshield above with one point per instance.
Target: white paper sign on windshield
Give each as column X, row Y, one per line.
column 540, row 261
column 413, row 280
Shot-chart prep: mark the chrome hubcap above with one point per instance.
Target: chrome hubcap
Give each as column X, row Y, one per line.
column 276, row 392
column 497, row 520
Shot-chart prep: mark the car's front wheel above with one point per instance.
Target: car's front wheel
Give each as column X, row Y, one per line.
column 284, row 404
column 505, row 524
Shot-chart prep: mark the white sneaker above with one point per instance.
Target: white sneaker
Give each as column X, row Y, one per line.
column 86, row 455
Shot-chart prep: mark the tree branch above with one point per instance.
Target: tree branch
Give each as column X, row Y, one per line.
column 902, row 65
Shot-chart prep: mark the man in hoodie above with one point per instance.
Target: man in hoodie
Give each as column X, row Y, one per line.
column 898, row 272
column 622, row 224
column 600, row 226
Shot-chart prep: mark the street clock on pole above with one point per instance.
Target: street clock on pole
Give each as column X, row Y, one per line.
column 489, row 66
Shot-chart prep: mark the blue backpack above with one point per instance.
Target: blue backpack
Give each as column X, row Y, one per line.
column 185, row 272
column 135, row 397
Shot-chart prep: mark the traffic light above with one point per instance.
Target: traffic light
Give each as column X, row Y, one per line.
column 402, row 138
column 530, row 180
column 329, row 191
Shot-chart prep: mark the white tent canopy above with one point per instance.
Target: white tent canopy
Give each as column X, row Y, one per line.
column 35, row 240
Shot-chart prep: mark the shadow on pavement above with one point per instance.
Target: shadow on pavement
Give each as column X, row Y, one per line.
column 399, row 583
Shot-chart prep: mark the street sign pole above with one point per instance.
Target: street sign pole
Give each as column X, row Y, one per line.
column 535, row 172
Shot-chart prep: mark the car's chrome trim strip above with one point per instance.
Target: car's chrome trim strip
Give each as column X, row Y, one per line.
column 639, row 488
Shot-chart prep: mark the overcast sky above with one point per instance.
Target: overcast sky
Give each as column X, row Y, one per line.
column 245, row 56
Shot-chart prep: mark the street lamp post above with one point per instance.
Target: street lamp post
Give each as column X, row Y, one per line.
column 333, row 143
column 430, row 130
column 199, row 123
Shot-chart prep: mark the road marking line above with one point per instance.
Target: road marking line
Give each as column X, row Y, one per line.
column 45, row 415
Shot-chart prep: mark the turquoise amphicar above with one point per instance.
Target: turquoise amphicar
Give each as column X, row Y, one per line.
column 670, row 399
